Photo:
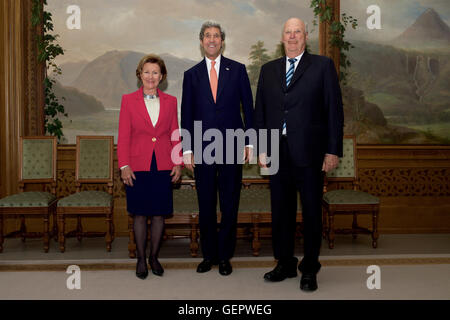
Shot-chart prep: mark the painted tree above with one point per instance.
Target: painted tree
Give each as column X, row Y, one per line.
column 258, row 56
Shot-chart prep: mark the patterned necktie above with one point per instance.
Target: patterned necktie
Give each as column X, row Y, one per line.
column 213, row 80
column 290, row 72
column 289, row 75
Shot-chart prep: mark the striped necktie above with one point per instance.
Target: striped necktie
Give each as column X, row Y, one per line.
column 290, row 72
column 289, row 75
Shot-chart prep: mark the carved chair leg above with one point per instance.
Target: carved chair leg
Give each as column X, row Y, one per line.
column 194, row 240
column 131, row 243
column 55, row 225
column 331, row 235
column 46, row 234
column 256, row 243
column 1, row 233
column 355, row 225
column 23, row 228
column 375, row 228
column 108, row 232
column 324, row 222
column 113, row 228
column 79, row 229
column 61, row 237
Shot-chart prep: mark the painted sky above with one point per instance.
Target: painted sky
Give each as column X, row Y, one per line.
column 396, row 16
column 172, row 26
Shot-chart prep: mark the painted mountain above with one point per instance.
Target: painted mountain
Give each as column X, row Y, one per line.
column 398, row 92
column 75, row 102
column 113, row 74
column 408, row 79
column 428, row 31
column 70, row 71
column 93, row 97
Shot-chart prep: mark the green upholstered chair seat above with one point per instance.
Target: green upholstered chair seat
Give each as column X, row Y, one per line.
column 349, row 197
column 87, row 199
column 257, row 200
column 254, row 200
column 185, row 201
column 28, row 199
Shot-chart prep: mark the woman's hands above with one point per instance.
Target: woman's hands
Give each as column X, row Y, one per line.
column 176, row 173
column 127, row 176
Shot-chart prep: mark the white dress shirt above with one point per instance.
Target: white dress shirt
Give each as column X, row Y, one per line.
column 152, row 109
column 288, row 64
column 216, row 66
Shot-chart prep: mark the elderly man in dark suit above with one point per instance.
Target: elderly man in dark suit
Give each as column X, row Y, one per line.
column 213, row 92
column 299, row 95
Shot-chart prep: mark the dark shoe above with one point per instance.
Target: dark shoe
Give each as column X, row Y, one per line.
column 204, row 266
column 141, row 274
column 308, row 282
column 225, row 267
column 282, row 271
column 156, row 267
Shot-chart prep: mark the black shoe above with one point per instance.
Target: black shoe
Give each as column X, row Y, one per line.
column 204, row 266
column 282, row 271
column 225, row 267
column 308, row 282
column 141, row 275
column 156, row 267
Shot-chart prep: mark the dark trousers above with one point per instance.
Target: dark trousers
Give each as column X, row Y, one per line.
column 218, row 241
column 284, row 186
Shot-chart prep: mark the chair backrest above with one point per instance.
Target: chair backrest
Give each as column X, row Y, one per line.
column 37, row 159
column 347, row 169
column 94, row 159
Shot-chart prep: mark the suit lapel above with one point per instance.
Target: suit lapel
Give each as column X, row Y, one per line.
column 141, row 108
column 224, row 74
column 282, row 73
column 301, row 68
column 162, row 107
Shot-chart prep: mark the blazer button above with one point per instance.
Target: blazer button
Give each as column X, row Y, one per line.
column 153, row 139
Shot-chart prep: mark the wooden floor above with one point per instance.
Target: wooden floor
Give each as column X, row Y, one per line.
column 177, row 250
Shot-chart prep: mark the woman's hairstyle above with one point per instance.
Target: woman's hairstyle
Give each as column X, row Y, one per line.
column 151, row 58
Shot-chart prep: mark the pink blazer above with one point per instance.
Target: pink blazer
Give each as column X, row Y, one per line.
column 138, row 138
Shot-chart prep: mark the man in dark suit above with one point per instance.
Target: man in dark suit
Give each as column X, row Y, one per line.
column 213, row 91
column 299, row 95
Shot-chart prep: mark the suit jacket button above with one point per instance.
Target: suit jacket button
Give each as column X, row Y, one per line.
column 153, row 139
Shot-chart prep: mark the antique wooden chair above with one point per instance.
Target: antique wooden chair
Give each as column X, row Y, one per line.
column 94, row 164
column 345, row 201
column 185, row 212
column 37, row 165
column 255, row 209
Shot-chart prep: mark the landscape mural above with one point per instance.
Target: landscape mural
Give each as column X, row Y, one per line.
column 398, row 84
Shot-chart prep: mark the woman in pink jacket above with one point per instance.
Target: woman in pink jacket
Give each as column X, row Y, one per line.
column 148, row 133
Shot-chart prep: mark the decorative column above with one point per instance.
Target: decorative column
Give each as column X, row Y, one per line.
column 325, row 48
column 21, row 87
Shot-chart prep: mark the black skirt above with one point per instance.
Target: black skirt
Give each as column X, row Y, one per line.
column 151, row 193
